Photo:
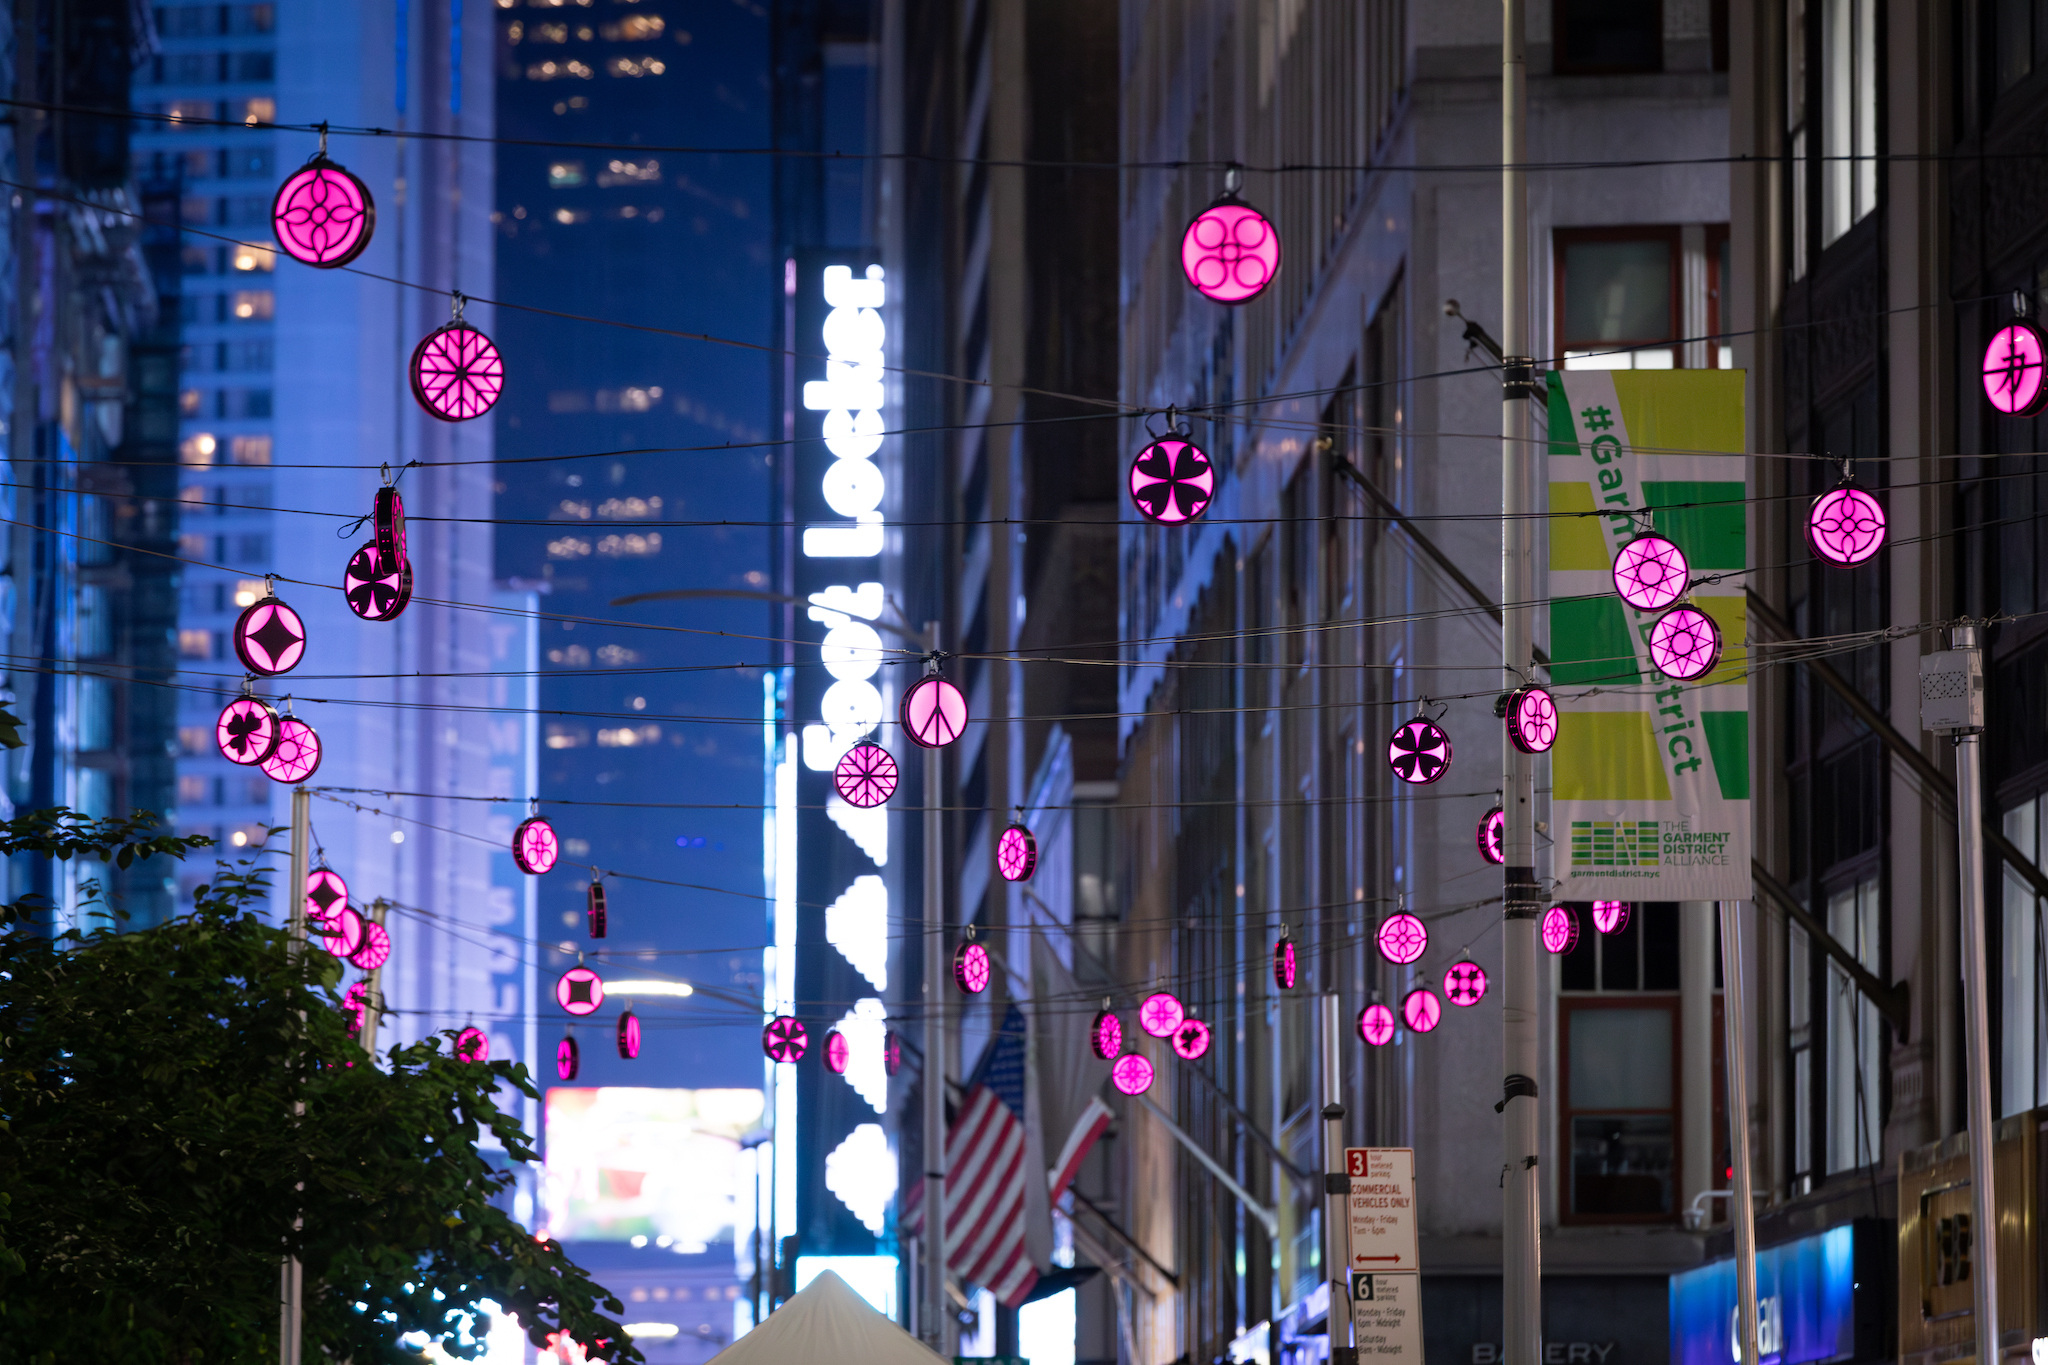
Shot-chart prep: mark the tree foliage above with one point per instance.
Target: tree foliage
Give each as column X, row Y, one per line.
column 182, row 1106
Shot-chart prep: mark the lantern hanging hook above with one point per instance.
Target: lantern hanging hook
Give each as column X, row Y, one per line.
column 288, row 705
column 2020, row 304
column 270, row 585
column 323, row 139
column 456, row 297
column 1283, row 929
column 934, row 663
column 969, row 935
column 1847, row 477
column 248, row 684
column 1233, row 177
column 533, row 805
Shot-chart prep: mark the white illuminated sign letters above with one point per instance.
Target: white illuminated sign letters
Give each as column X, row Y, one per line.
column 850, row 396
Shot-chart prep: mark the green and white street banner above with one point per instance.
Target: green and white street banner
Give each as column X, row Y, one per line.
column 1650, row 777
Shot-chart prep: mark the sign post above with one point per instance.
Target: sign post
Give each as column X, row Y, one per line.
column 1382, row 1256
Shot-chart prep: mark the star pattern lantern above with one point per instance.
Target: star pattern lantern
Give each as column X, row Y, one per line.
column 1421, row 1010
column 1532, row 720
column 629, row 1036
column 1172, row 482
column 1464, row 984
column 1016, row 853
column 1559, row 930
column 865, row 775
column 892, row 1053
column 971, row 971
column 1492, row 836
column 325, row 893
column 472, row 1045
column 269, row 638
column 1160, row 1013
column 1132, row 1073
column 297, row 755
column 1420, row 752
column 1402, row 938
column 934, row 712
column 1106, row 1034
column 2013, row 370
column 1230, row 252
column 594, row 911
column 375, row 589
column 1286, row 963
column 580, row 991
column 342, row 935
column 247, row 731
column 388, row 516
column 1610, row 917
column 784, row 1039
column 375, row 949
column 1650, row 573
column 837, row 1052
column 1191, row 1040
column 323, row 215
column 456, row 371
column 1376, row 1025
column 1845, row 526
column 568, row 1058
column 534, row 845
column 1685, row 644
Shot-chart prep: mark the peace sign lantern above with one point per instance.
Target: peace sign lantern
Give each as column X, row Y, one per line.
column 247, row 731
column 1421, row 1009
column 297, row 756
column 865, row 775
column 1845, row 526
column 373, row 587
column 1230, row 252
column 1172, row 481
column 934, row 712
column 325, row 890
column 1532, row 720
column 1160, row 1013
column 269, row 637
column 1685, row 644
column 1016, row 853
column 784, row 1039
column 534, row 845
column 322, row 214
column 456, row 371
column 2013, row 370
column 1651, row 573
column 1419, row 752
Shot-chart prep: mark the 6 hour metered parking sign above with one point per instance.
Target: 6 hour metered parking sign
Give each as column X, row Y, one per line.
column 1386, row 1316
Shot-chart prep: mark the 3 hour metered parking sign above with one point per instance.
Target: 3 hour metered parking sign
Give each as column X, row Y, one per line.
column 1381, row 1208
column 1386, row 1316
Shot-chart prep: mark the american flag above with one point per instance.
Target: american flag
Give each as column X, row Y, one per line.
column 986, row 1172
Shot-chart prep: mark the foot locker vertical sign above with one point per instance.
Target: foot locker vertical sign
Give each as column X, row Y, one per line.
column 1386, row 1291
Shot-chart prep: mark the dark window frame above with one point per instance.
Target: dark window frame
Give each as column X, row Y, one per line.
column 1561, row 238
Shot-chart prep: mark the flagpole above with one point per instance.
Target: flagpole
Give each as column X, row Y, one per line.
column 935, row 1319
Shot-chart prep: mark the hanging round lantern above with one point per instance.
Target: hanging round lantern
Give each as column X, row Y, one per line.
column 1421, row 1010
column 1402, row 938
column 534, row 845
column 374, row 589
column 837, row 1052
column 892, row 1053
column 579, row 990
column 456, row 372
column 269, row 638
column 1492, row 836
column 1532, row 720
column 1650, row 573
column 388, row 515
column 567, row 1058
column 1230, row 252
column 1420, row 752
column 934, row 712
column 784, row 1039
column 1286, row 963
column 297, row 755
column 1191, row 1040
column 971, row 970
column 594, row 911
column 1560, row 929
column 2012, row 370
column 1106, row 1034
column 1464, row 984
column 325, row 891
column 1160, row 1013
column 865, row 775
column 342, row 935
column 323, row 214
column 1016, row 853
column 355, row 1003
column 1132, row 1073
column 1376, row 1025
column 1610, row 917
column 472, row 1045
column 1685, row 644
column 629, row 1036
column 375, row 949
column 1172, row 482
column 1845, row 526
column 246, row 731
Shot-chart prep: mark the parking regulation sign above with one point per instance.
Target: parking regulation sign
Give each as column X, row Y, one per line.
column 1381, row 1208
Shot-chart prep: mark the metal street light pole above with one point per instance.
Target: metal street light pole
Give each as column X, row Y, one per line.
column 1337, row 1186
column 1742, row 1213
column 934, row 1328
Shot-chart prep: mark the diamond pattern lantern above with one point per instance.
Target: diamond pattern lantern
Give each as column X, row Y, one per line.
column 1106, row 1034
column 323, row 215
column 1492, row 836
column 1286, row 963
column 1172, row 482
column 1650, row 573
column 456, row 371
column 1230, row 253
column 534, row 845
column 934, row 712
column 1420, row 752
column 342, row 935
column 568, row 1059
column 1532, row 720
column 375, row 949
column 1132, row 1073
column 1402, row 938
column 865, row 775
column 1191, row 1040
column 1845, row 526
column 247, row 731
column 1685, row 644
column 784, row 1039
column 629, row 1036
column 1016, row 853
column 1464, row 984
column 1421, row 1010
column 2013, row 370
column 325, row 893
column 297, row 755
column 837, row 1053
column 374, row 589
column 1376, row 1025
column 1560, row 929
column 1610, row 917
column 1160, row 1013
column 269, row 638
column 580, row 991
column 472, row 1045
column 595, row 913
column 971, row 969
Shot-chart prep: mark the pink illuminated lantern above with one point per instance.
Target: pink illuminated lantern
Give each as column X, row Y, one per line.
column 933, row 712
column 1230, row 253
column 1172, row 482
column 375, row 949
column 372, row 587
column 1492, row 836
column 355, row 1003
column 1610, row 917
column 1132, row 1073
column 1532, row 720
column 1421, row 1010
column 534, row 845
column 971, row 970
column 1402, row 938
column 596, row 910
column 837, row 1053
column 568, row 1058
column 1845, row 526
column 1376, row 1025
column 784, row 1039
column 1559, row 930
column 456, row 373
column 1464, row 984
column 629, row 1036
column 325, row 892
column 1106, row 1035
column 1651, row 573
column 1420, row 752
column 1016, row 854
column 297, row 755
column 1286, row 964
column 1685, row 644
column 246, row 731
column 269, row 638
column 342, row 935
column 388, row 515
column 1160, row 1013
column 1191, row 1040
column 892, row 1053
column 2013, row 370
column 323, row 215
column 472, row 1045
column 580, row 991
column 865, row 775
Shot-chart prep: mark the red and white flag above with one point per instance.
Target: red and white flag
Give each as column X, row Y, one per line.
column 986, row 1173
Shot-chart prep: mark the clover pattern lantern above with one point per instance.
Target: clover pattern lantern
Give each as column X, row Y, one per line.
column 1191, row 1040
column 580, row 991
column 269, row 638
column 1230, row 252
column 837, row 1052
column 865, row 775
column 323, row 215
column 971, row 971
column 472, row 1045
column 325, row 890
column 1420, row 752
column 457, row 373
column 1286, row 964
column 1421, row 1010
column 534, row 845
column 629, row 1037
column 934, row 713
column 1106, row 1035
column 1160, row 1013
column 374, row 588
column 568, row 1058
column 784, row 1039
column 342, row 935
column 1559, row 930
column 1651, row 573
column 297, row 755
column 1532, row 719
column 246, row 731
column 1376, row 1025
column 2013, row 370
column 375, row 949
column 1402, row 938
column 1845, row 526
column 1172, row 482
column 1132, row 1073
column 1492, row 836
column 1464, row 984
column 1610, row 917
column 1016, row 854
column 1685, row 644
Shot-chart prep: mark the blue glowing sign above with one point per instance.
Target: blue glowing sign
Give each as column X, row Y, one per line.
column 1806, row 1296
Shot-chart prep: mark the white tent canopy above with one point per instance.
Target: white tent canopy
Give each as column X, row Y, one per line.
column 827, row 1321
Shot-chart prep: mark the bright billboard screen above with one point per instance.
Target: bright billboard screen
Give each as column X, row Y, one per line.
column 626, row 1162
